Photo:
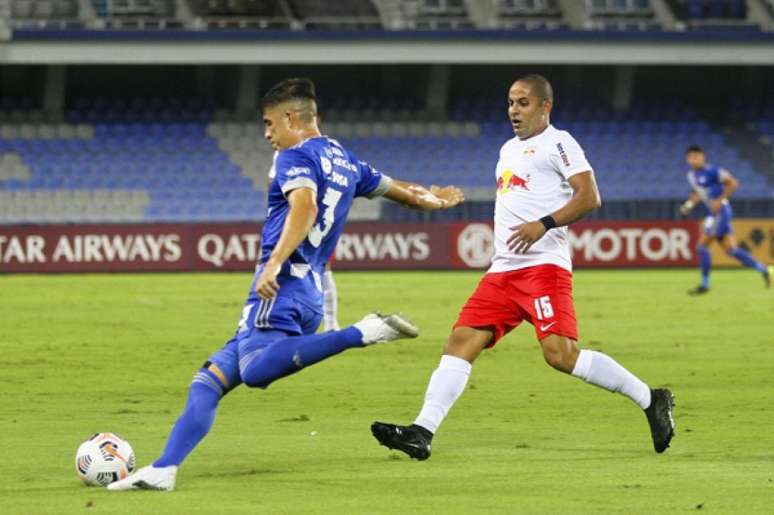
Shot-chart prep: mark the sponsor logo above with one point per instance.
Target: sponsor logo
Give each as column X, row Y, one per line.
column 546, row 327
column 475, row 245
column 756, row 236
column 528, row 152
column 343, row 163
column 632, row 244
column 509, row 181
column 148, row 247
column 298, row 170
column 91, row 248
column 394, row 246
column 326, row 165
column 218, row 250
column 27, row 249
column 339, row 179
column 563, row 154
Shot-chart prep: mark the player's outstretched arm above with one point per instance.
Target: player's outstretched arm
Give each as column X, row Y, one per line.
column 416, row 196
column 689, row 204
column 301, row 216
column 585, row 200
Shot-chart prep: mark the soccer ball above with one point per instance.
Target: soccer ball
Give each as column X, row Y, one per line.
column 103, row 459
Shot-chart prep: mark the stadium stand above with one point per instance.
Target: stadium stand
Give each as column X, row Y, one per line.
column 435, row 14
column 710, row 9
column 117, row 160
column 297, row 15
column 143, row 14
column 122, row 162
column 635, row 15
column 240, row 14
column 57, row 13
column 527, row 15
column 713, row 14
column 344, row 15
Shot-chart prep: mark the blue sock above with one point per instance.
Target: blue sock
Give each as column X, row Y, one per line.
column 746, row 259
column 196, row 420
column 705, row 263
column 289, row 355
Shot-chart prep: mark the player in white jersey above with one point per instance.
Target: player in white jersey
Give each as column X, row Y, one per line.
column 544, row 183
column 330, row 295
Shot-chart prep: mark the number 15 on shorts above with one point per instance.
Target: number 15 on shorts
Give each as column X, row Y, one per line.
column 543, row 308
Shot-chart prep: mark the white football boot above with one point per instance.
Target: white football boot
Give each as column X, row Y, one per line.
column 148, row 478
column 378, row 328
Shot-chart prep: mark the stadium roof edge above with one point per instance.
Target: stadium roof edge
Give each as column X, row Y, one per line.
column 690, row 37
column 380, row 47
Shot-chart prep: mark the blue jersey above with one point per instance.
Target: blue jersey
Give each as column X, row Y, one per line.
column 337, row 177
column 708, row 182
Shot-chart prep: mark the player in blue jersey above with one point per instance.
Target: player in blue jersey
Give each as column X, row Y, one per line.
column 713, row 186
column 329, row 291
column 316, row 181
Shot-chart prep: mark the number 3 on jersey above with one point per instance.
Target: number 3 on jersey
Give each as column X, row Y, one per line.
column 330, row 200
column 543, row 308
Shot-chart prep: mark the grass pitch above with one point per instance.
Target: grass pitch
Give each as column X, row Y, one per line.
column 82, row 354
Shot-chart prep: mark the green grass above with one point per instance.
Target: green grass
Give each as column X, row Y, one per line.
column 88, row 353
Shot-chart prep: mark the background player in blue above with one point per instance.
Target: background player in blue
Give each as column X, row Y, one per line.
column 713, row 186
column 316, row 181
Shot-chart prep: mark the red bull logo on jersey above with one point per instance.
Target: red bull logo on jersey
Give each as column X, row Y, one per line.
column 509, row 181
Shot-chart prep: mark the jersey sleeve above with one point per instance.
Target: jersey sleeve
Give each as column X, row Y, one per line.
column 568, row 157
column 295, row 170
column 372, row 183
column 723, row 175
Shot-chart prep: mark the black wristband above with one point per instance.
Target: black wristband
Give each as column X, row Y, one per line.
column 548, row 222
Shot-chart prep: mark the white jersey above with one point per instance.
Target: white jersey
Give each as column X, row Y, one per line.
column 532, row 183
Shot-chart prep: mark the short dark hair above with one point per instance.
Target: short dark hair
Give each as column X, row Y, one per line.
column 287, row 90
column 540, row 86
column 694, row 148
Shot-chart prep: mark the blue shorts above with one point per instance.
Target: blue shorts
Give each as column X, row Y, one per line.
column 718, row 225
column 262, row 323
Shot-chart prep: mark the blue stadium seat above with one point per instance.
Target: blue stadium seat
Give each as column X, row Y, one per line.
column 163, row 147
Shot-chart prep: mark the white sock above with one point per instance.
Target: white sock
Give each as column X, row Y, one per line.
column 446, row 385
column 605, row 372
column 330, row 303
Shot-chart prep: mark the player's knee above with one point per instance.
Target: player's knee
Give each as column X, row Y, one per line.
column 256, row 377
column 465, row 343
column 271, row 364
column 561, row 357
column 207, row 380
column 554, row 358
column 258, row 382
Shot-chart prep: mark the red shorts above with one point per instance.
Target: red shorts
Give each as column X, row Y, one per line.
column 541, row 295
